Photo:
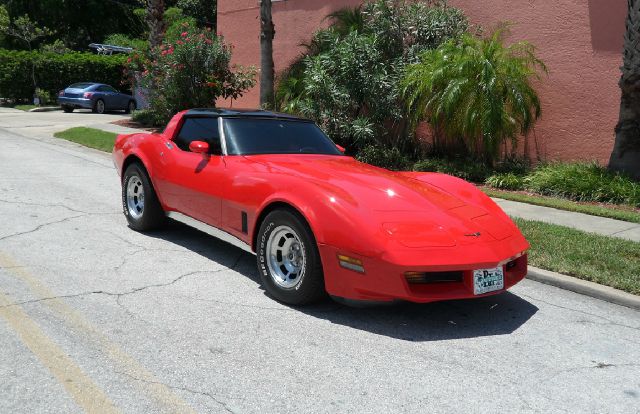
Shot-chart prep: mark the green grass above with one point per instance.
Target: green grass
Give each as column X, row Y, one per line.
column 89, row 137
column 25, row 107
column 601, row 259
column 613, row 211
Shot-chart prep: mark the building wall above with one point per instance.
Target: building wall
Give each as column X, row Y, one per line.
column 579, row 40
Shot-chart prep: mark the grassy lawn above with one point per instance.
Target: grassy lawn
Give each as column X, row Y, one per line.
column 601, row 259
column 89, row 137
column 618, row 212
column 25, row 107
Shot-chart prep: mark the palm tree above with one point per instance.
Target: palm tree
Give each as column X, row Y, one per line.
column 155, row 20
column 626, row 151
column 476, row 92
column 267, row 33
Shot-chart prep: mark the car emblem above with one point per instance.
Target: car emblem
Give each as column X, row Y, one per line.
column 476, row 234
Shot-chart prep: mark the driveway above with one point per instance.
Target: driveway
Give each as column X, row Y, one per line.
column 96, row 317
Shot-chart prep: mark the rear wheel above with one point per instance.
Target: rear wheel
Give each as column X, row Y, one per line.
column 139, row 201
column 131, row 106
column 68, row 109
column 288, row 259
column 99, row 107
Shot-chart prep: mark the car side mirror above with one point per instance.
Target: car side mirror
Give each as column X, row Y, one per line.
column 341, row 148
column 199, row 147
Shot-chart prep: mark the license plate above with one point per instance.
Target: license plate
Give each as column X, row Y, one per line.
column 488, row 280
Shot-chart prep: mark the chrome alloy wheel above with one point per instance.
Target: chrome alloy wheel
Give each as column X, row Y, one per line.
column 286, row 259
column 135, row 197
column 100, row 106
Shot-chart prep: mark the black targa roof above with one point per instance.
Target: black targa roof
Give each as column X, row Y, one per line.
column 242, row 113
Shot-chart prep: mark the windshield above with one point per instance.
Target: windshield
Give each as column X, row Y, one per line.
column 81, row 85
column 247, row 136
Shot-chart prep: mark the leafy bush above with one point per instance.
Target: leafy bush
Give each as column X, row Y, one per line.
column 54, row 71
column 583, row 182
column 147, row 117
column 383, row 157
column 348, row 79
column 465, row 168
column 476, row 90
column 191, row 71
column 506, row 181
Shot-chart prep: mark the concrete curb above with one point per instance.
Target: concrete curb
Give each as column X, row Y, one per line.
column 584, row 287
column 45, row 109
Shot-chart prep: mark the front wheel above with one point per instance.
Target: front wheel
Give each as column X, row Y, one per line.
column 139, row 201
column 67, row 109
column 288, row 259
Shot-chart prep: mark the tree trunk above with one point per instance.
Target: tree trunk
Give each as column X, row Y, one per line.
column 155, row 20
column 267, row 33
column 626, row 152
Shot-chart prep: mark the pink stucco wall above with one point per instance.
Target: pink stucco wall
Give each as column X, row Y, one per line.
column 579, row 40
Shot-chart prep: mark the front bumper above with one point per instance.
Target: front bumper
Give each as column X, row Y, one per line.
column 384, row 278
column 75, row 102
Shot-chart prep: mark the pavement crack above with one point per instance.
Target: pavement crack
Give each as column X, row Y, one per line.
column 40, row 226
column 207, row 394
column 622, row 231
column 104, row 292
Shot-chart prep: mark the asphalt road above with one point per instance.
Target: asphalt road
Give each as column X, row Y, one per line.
column 95, row 317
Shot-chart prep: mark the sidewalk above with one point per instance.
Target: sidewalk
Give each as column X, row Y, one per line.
column 579, row 221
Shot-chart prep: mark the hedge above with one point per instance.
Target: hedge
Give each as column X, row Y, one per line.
column 55, row 71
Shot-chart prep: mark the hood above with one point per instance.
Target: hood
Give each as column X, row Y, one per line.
column 359, row 183
column 412, row 212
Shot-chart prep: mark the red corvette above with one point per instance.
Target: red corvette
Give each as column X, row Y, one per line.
column 319, row 221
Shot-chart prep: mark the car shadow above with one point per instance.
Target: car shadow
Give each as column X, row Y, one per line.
column 488, row 316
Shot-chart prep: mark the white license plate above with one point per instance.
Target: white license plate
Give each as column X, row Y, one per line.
column 488, row 280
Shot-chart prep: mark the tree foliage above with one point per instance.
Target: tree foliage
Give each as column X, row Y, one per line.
column 76, row 22
column 476, row 90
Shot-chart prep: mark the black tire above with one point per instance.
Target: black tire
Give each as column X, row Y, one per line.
column 309, row 287
column 131, row 106
column 67, row 109
column 148, row 217
column 99, row 107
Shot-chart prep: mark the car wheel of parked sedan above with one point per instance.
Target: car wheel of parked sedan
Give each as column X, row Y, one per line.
column 99, row 107
column 139, row 201
column 67, row 109
column 130, row 107
column 288, row 259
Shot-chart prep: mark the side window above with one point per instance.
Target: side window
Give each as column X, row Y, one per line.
column 199, row 129
column 102, row 89
column 109, row 89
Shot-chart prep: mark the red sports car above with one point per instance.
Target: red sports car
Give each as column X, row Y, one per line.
column 319, row 222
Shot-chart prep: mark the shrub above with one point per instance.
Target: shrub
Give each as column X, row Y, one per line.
column 583, row 182
column 476, row 90
column 54, row 71
column 147, row 117
column 506, row 181
column 465, row 168
column 191, row 71
column 348, row 79
column 383, row 157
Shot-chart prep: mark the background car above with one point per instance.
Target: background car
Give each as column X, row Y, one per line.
column 95, row 96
